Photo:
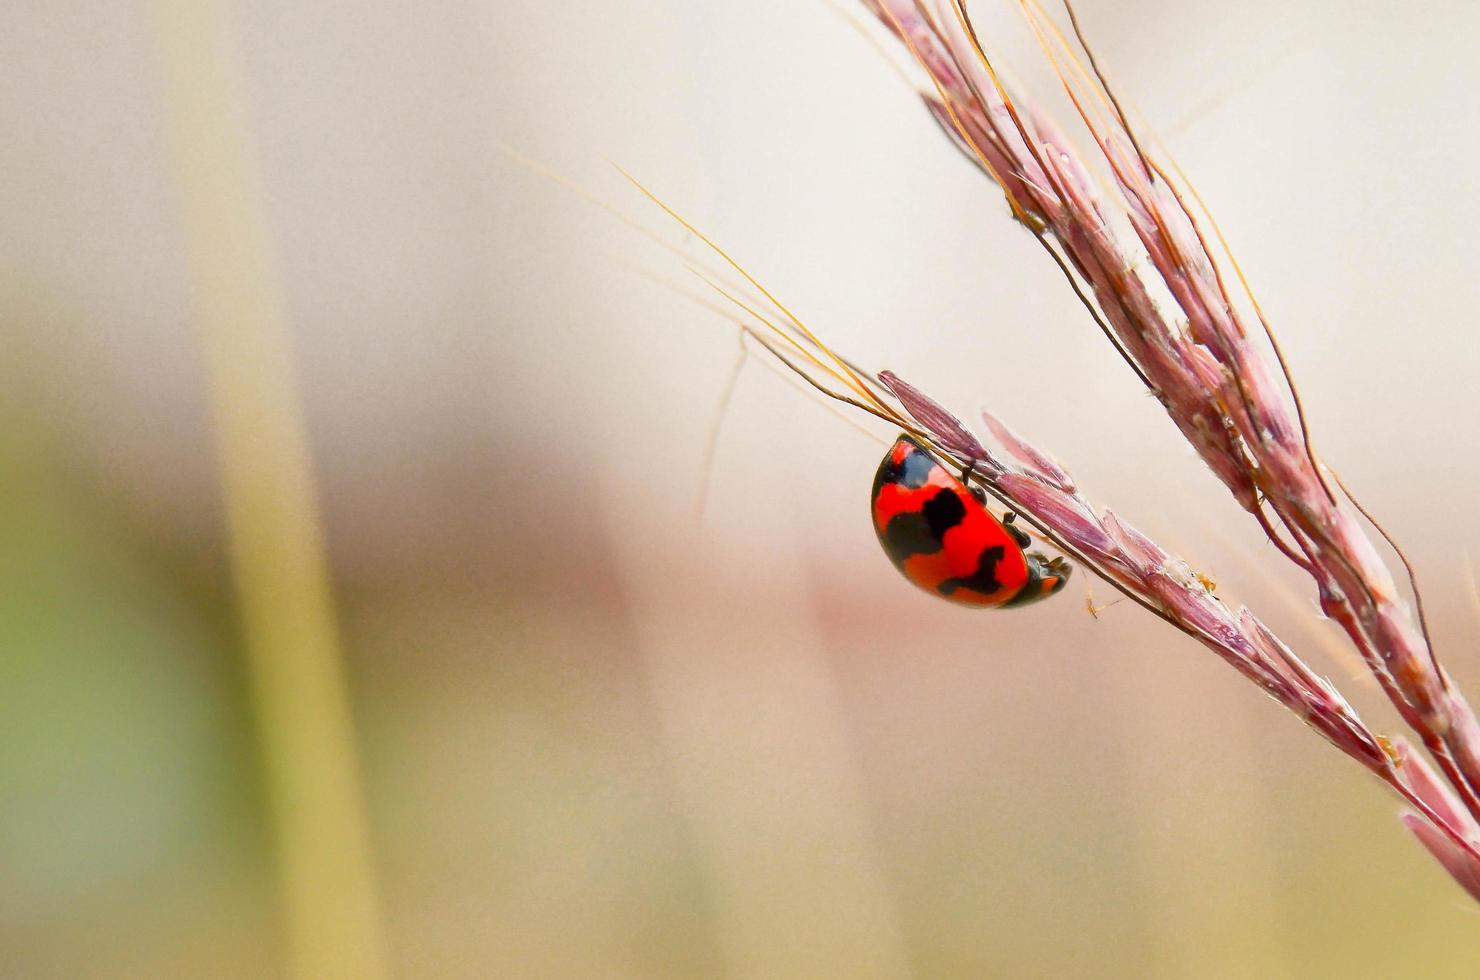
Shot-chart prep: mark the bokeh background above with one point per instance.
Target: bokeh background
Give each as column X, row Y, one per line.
column 612, row 723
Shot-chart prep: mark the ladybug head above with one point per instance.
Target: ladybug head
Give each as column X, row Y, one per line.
column 1045, row 577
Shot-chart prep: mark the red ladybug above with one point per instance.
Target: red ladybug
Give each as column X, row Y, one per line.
column 941, row 536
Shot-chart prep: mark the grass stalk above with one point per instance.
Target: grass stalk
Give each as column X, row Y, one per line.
column 287, row 619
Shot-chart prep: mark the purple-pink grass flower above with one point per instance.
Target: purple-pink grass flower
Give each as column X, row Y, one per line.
column 1141, row 260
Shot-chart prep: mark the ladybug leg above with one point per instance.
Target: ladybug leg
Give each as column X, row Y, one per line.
column 1018, row 534
column 977, row 492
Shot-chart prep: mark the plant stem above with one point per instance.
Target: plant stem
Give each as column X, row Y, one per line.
column 278, row 560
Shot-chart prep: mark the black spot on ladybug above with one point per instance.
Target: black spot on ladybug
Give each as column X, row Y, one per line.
column 914, row 470
column 943, row 512
column 923, row 532
column 984, row 579
column 907, row 535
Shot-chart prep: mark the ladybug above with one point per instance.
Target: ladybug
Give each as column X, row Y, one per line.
column 941, row 536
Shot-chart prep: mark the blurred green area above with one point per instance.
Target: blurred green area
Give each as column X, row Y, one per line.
column 130, row 816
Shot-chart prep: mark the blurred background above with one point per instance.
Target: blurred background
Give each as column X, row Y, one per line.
column 571, row 713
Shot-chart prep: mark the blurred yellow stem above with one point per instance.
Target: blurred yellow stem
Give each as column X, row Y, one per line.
column 282, row 577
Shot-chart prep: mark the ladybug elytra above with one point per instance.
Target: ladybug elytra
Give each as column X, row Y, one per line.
column 941, row 536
